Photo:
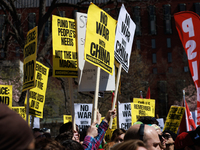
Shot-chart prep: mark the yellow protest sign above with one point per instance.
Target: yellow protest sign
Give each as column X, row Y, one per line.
column 174, row 117
column 114, row 123
column 64, row 47
column 138, row 110
column 37, row 94
column 6, row 95
column 108, row 135
column 100, row 39
column 20, row 110
column 150, row 102
column 67, row 118
column 30, row 50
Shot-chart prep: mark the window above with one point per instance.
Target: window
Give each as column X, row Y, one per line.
column 105, row 9
column 2, row 53
column 75, row 11
column 185, row 56
column 168, row 42
column 182, row 7
column 31, row 21
column 62, row 13
column 169, row 57
column 17, row 51
column 137, row 20
column 167, row 18
column 152, row 20
column 153, row 43
column 197, row 8
column 138, row 44
column 155, row 71
column 154, row 58
column 47, row 29
column 170, row 70
column 2, row 20
column 186, row 69
column 17, row 24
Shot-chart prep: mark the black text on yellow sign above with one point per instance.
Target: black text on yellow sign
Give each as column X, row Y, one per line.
column 100, row 37
column 67, row 59
column 30, row 50
column 98, row 52
column 66, row 30
column 29, row 74
column 174, row 118
column 138, row 110
column 6, row 95
column 64, row 47
column 21, row 111
column 37, row 94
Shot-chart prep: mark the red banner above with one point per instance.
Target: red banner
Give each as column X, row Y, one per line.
column 189, row 119
column 187, row 25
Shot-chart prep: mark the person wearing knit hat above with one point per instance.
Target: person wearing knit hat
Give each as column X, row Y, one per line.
column 188, row 140
column 14, row 131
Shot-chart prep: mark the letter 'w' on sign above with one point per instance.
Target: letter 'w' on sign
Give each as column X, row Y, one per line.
column 187, row 25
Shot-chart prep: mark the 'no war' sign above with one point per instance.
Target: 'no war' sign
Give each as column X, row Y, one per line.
column 83, row 114
column 125, row 119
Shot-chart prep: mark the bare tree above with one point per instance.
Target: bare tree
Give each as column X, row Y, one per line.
column 15, row 30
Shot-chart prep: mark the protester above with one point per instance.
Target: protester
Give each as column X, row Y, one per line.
column 72, row 145
column 148, row 120
column 48, row 144
column 170, row 138
column 188, row 140
column 145, row 133
column 67, row 129
column 95, row 135
column 117, row 137
column 37, row 133
column 130, row 145
column 64, row 136
column 160, row 134
column 15, row 134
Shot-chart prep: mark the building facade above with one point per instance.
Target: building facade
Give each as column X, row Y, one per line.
column 156, row 38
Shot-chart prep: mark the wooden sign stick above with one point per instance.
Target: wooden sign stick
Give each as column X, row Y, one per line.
column 72, row 104
column 95, row 102
column 116, row 92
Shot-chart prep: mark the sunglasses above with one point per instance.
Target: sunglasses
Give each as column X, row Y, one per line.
column 161, row 137
column 166, row 136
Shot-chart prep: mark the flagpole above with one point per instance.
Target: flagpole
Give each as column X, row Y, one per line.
column 27, row 107
column 141, row 94
column 185, row 109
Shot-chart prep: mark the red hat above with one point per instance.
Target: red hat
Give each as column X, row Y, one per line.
column 182, row 140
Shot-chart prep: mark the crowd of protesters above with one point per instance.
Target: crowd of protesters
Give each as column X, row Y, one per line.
column 145, row 134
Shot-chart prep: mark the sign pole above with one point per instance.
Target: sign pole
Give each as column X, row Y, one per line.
column 32, row 121
column 117, row 115
column 72, row 104
column 116, row 92
column 27, row 107
column 95, row 102
column 185, row 108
